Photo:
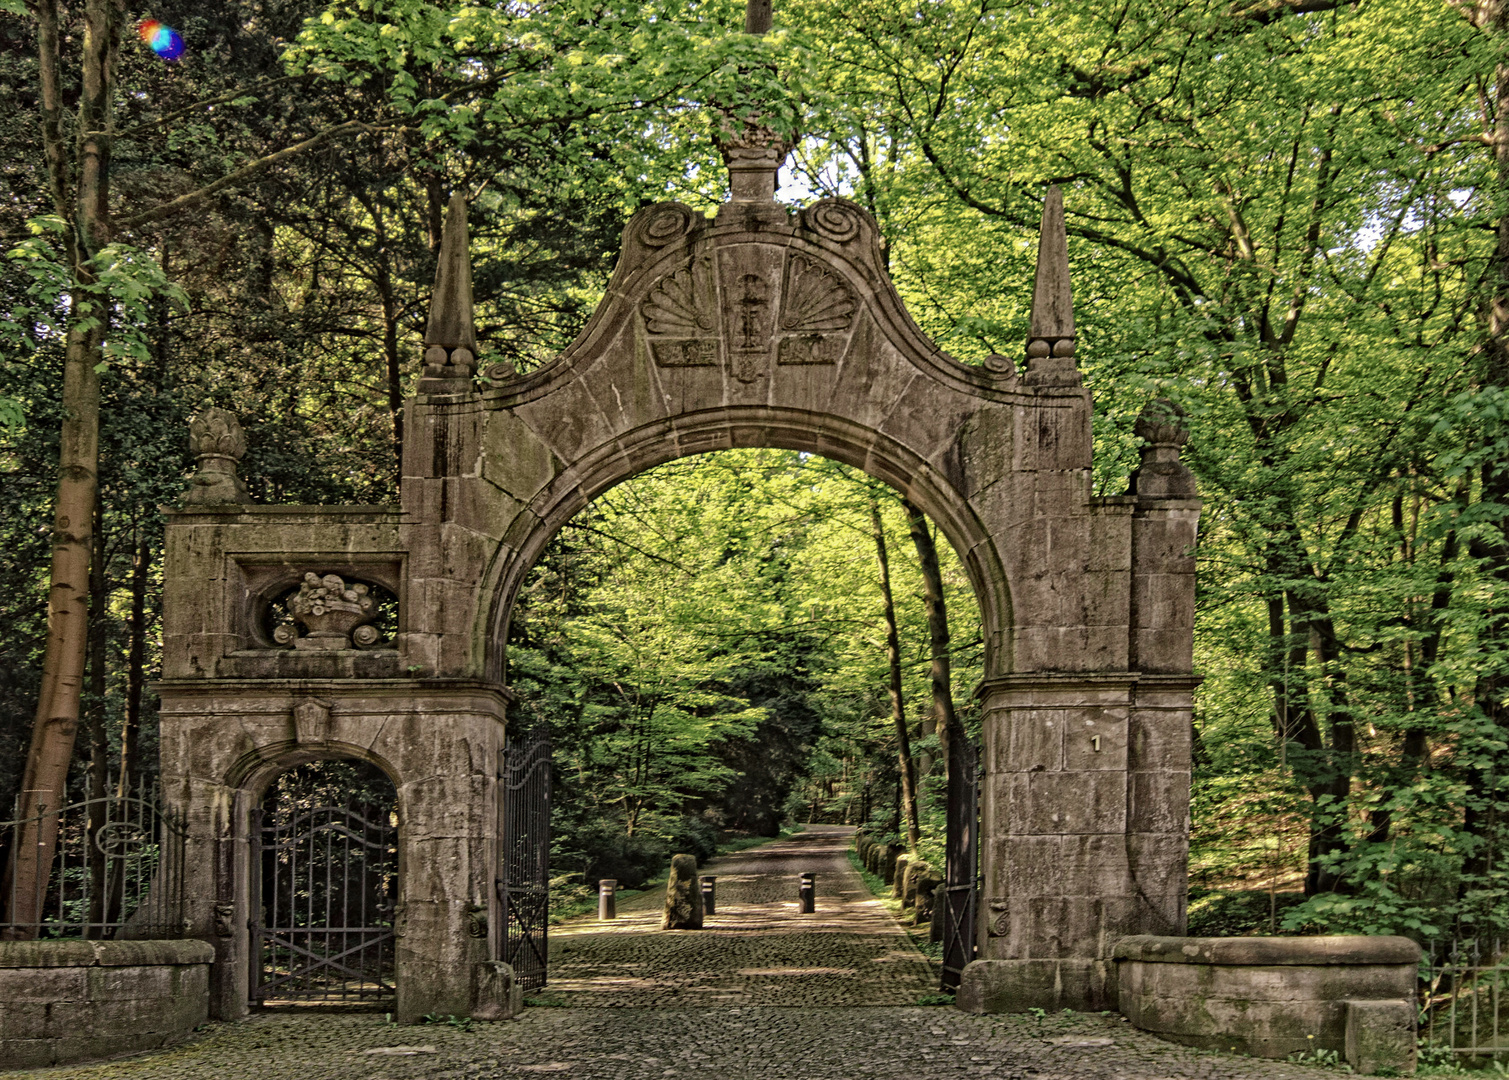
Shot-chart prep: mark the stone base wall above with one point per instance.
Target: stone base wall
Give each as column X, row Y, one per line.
column 66, row 1001
column 1272, row 997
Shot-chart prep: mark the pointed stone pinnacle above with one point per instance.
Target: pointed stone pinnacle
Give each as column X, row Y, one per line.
column 451, row 325
column 1050, row 337
column 1052, row 306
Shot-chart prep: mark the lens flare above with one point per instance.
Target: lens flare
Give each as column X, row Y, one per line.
column 161, row 39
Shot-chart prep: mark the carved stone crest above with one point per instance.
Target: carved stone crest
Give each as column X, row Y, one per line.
column 311, row 720
column 751, row 337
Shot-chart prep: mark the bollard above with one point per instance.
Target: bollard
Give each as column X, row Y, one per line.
column 808, row 893
column 709, row 894
column 607, row 903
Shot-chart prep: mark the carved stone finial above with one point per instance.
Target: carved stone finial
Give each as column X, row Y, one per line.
column 450, row 355
column 752, row 150
column 1162, row 475
column 1050, row 338
column 334, row 614
column 217, row 439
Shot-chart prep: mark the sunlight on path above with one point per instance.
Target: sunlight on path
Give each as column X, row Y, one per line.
column 758, row 949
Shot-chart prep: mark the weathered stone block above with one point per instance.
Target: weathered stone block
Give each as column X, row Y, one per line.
column 683, row 896
column 898, row 875
column 1158, row 739
column 496, row 995
column 1380, row 1035
column 1013, row 986
column 1096, row 740
column 1072, row 802
column 917, row 872
column 1272, row 996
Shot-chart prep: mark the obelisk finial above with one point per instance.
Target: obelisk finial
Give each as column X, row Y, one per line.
column 451, row 337
column 1050, row 338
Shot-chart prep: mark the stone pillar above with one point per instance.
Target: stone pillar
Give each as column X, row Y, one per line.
column 1085, row 832
column 1055, row 855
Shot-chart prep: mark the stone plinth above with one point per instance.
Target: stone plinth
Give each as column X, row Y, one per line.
column 1272, row 997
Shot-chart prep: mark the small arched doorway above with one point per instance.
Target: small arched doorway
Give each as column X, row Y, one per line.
column 324, row 887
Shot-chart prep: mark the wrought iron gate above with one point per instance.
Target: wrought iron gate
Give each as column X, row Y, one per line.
column 524, row 861
column 963, row 890
column 324, row 886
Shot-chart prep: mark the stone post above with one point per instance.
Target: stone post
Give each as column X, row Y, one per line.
column 607, row 902
column 807, row 893
column 709, row 894
column 683, row 899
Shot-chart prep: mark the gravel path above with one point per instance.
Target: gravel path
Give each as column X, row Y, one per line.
column 849, row 967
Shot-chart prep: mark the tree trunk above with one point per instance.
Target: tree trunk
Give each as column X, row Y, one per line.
column 893, row 658
column 55, row 727
column 136, row 675
column 99, row 742
column 959, row 843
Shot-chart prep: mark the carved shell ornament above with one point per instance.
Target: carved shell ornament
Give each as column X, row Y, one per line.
column 671, row 307
column 816, row 299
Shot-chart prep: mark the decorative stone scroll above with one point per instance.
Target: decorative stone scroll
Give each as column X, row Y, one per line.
column 334, row 614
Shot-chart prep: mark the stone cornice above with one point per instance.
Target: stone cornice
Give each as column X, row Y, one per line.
column 335, row 688
column 1098, row 680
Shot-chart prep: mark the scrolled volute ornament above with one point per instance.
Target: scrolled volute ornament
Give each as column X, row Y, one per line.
column 837, row 220
column 333, row 613
column 664, row 223
column 218, row 442
column 1161, row 475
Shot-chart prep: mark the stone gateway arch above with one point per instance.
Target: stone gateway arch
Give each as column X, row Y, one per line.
column 754, row 328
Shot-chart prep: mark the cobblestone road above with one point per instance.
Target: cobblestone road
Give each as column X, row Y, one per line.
column 758, row 949
column 741, row 1025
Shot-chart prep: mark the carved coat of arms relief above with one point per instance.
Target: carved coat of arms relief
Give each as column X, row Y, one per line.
column 757, row 304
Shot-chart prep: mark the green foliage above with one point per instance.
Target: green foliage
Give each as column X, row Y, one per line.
column 1285, row 219
column 696, row 641
column 462, row 1023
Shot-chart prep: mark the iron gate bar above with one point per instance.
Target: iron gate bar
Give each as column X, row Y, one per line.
column 311, row 880
column 961, row 893
column 524, row 858
column 117, row 866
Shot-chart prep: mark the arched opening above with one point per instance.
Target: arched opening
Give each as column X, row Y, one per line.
column 707, row 642
column 862, row 448
column 324, row 886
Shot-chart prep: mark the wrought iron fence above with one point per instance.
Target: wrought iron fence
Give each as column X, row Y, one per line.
column 1463, row 1012
column 116, row 872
